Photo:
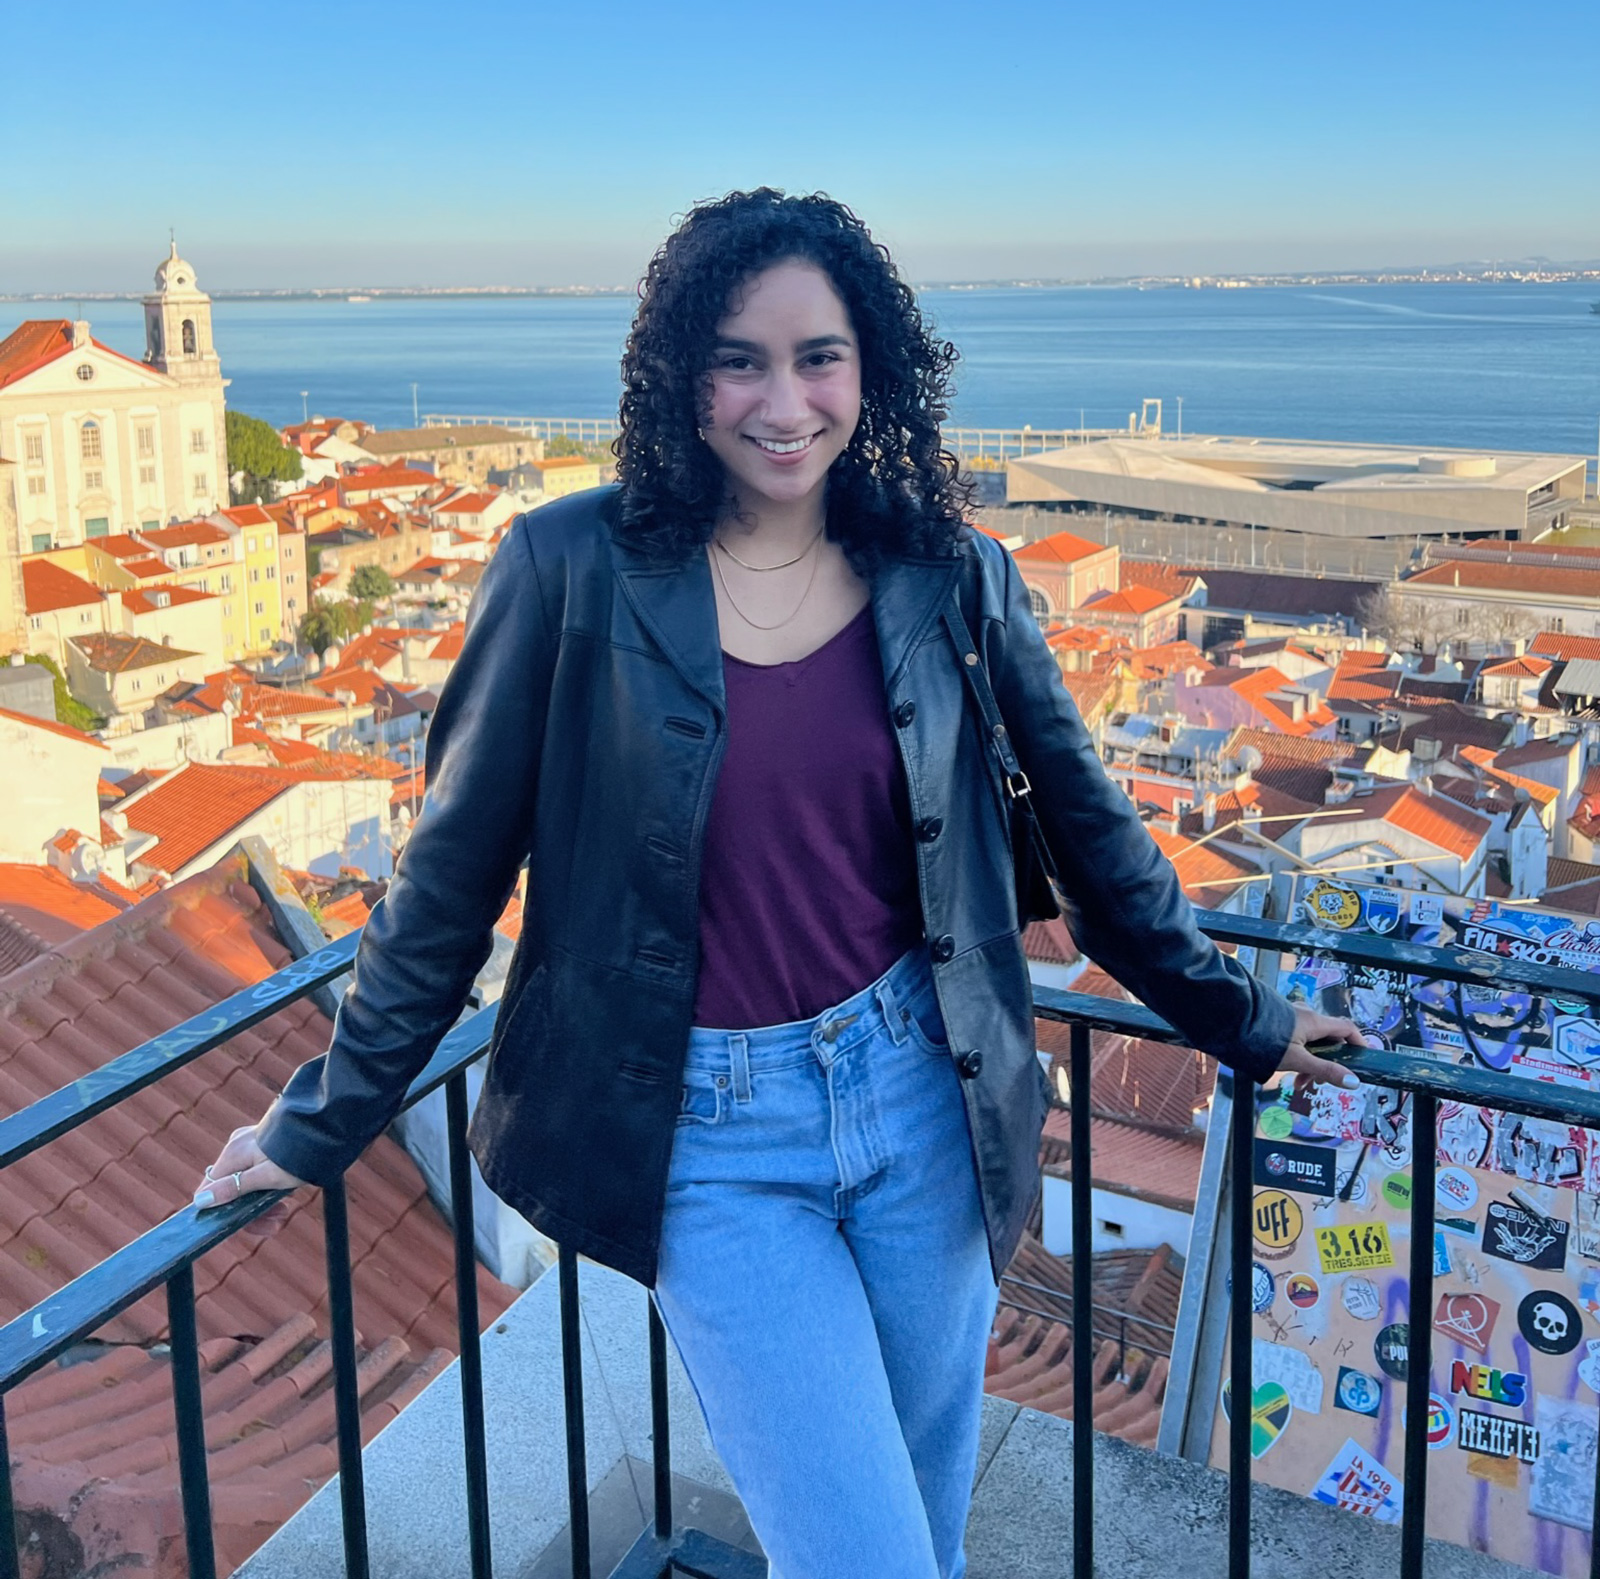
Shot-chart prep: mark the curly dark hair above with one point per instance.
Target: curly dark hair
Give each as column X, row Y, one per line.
column 894, row 489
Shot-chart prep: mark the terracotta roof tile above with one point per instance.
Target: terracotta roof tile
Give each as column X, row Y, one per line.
column 47, row 587
column 40, row 907
column 1060, row 548
column 31, row 345
column 1129, row 600
column 1208, row 873
column 1538, row 580
column 1160, row 1165
column 185, row 534
column 65, row 730
column 142, row 600
column 1551, row 644
column 111, row 652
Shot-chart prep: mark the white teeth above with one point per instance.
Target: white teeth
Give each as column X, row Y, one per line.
column 773, row 447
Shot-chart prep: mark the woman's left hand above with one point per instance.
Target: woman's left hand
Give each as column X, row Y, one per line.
column 1309, row 1026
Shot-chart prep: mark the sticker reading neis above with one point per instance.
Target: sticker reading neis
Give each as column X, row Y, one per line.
column 1357, row 1247
column 1306, row 1168
column 1278, row 1221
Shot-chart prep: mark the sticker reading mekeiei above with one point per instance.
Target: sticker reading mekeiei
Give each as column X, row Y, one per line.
column 1293, row 1371
column 1563, row 1477
column 1357, row 1482
column 1500, row 1436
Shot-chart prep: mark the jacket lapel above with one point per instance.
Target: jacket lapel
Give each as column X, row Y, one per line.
column 676, row 604
column 907, row 595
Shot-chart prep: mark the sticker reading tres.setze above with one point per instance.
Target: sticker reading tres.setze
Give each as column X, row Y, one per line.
column 1357, row 1247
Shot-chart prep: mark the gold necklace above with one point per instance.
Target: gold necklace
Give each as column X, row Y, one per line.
column 753, row 624
column 786, row 563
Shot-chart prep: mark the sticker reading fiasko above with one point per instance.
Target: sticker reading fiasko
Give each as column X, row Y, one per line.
column 1358, row 1247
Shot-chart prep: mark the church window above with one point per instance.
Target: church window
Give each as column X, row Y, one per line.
column 33, row 449
column 147, row 474
column 200, row 484
column 144, row 439
column 93, row 480
column 36, row 486
column 91, row 441
column 197, row 441
column 188, row 337
column 85, row 372
column 97, row 526
column 41, row 541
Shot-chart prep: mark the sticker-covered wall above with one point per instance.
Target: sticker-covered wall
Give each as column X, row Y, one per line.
column 1515, row 1383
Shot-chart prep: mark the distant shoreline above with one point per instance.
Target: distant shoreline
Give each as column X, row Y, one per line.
column 1488, row 274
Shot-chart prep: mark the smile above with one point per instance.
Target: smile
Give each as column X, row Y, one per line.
column 785, row 446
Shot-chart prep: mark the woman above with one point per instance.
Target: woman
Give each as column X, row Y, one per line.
column 767, row 1041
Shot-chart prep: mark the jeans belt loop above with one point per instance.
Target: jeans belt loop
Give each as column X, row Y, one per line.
column 739, row 1057
column 891, row 1012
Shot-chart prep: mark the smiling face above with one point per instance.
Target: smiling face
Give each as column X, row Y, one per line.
column 785, row 387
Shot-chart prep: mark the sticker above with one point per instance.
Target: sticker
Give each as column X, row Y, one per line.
column 1467, row 1318
column 1358, row 1483
column 1563, row 1479
column 1589, row 1370
column 1270, row 1412
column 1427, row 910
column 1588, row 1214
column 1397, row 1191
column 1360, row 1298
column 1263, row 1286
column 1333, row 905
column 1513, row 1234
column 1459, row 1225
column 1358, row 1392
column 1306, row 1168
column 1293, row 1371
column 1383, row 910
column 1497, row 1436
column 1360, row 1247
column 1276, row 1122
column 1498, row 1471
column 1441, row 1254
column 1589, row 1294
column 1489, row 1386
column 1550, row 1322
column 1441, row 1418
column 1391, row 1348
column 1465, row 1135
column 1351, row 1186
column 1455, row 1189
column 1302, row 1291
column 1278, row 1221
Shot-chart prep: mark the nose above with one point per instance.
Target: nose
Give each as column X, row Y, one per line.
column 786, row 405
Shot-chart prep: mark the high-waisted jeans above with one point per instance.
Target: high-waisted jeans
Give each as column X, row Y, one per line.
column 825, row 1275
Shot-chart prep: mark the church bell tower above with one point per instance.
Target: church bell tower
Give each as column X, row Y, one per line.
column 177, row 324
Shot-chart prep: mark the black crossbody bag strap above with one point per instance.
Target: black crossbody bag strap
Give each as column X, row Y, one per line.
column 1037, row 877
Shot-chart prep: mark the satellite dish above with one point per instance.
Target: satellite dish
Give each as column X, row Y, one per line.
column 1250, row 758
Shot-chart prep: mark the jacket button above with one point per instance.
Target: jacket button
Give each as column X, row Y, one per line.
column 904, row 713
column 943, row 948
column 970, row 1064
column 930, row 828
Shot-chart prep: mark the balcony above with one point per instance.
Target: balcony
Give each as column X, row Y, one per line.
column 566, row 1440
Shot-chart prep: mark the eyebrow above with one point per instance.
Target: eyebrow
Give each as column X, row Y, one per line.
column 728, row 343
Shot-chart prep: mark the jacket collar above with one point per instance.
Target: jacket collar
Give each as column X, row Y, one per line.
column 677, row 605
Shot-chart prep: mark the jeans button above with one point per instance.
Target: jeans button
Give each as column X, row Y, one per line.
column 970, row 1064
column 943, row 948
column 930, row 828
column 904, row 713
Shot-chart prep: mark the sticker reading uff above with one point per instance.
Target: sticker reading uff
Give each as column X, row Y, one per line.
column 1278, row 1221
column 1307, row 1168
column 1357, row 1247
column 1499, row 1436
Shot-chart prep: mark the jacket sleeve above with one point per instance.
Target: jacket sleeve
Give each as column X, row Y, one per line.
column 1130, row 913
column 431, row 933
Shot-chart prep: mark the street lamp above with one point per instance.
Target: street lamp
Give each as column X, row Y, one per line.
column 305, row 410
column 415, row 420
column 1180, row 416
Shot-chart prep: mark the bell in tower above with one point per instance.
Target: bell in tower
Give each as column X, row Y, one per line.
column 177, row 323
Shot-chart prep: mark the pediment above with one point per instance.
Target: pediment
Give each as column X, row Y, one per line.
column 112, row 373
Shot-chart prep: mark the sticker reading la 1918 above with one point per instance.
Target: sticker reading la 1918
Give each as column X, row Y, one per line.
column 1515, row 1235
column 1357, row 1247
column 1287, row 1167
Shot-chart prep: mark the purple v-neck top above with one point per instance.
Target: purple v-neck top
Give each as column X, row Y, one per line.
column 808, row 887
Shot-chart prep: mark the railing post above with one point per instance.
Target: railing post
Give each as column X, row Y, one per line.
column 1082, row 1312
column 455, row 1101
column 1419, row 1333
column 660, row 1423
column 346, row 1392
column 9, row 1568
column 1241, row 1336
column 188, row 1410
column 572, row 1400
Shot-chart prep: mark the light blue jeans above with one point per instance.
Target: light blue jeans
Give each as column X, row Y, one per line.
column 825, row 1275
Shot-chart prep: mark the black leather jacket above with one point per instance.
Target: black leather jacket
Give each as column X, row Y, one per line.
column 582, row 730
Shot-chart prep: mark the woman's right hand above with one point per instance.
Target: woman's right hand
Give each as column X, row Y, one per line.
column 242, row 1168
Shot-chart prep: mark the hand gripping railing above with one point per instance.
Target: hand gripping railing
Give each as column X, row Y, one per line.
column 166, row 1255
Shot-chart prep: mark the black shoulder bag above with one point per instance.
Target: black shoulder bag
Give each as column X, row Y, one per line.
column 1037, row 879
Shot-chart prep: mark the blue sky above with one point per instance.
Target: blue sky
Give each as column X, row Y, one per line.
column 485, row 142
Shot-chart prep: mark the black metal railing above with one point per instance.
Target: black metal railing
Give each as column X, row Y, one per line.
column 166, row 1254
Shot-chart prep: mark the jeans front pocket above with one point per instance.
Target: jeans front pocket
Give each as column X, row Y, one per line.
column 921, row 1017
column 702, row 1099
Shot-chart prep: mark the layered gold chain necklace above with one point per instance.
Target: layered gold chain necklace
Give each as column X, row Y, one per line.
column 784, row 565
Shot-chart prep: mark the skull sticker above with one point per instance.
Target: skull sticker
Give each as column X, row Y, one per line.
column 1550, row 1322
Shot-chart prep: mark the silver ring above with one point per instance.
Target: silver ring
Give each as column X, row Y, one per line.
column 238, row 1186
column 209, row 1167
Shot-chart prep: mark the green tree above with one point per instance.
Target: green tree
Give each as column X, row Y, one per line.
column 371, row 582
column 559, row 444
column 256, row 450
column 69, row 710
column 320, row 627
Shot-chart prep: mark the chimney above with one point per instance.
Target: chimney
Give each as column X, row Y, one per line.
column 1519, row 647
column 1426, row 784
column 1519, row 732
column 1208, row 814
column 80, row 334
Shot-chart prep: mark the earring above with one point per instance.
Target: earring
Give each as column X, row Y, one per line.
column 702, row 433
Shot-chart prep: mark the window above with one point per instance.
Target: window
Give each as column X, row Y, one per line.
column 249, row 545
column 1038, row 603
column 255, row 572
column 97, row 526
column 148, row 526
column 33, row 449
column 289, row 579
column 1558, row 626
column 272, row 572
column 91, row 441
column 189, row 342
column 41, row 541
column 261, row 607
column 197, row 441
column 36, row 486
column 144, row 441
column 227, row 582
column 138, row 684
column 1463, row 616
column 93, row 480
column 147, row 475
column 200, row 484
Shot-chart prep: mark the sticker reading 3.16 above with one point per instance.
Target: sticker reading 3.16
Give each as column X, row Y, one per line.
column 1361, row 1247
